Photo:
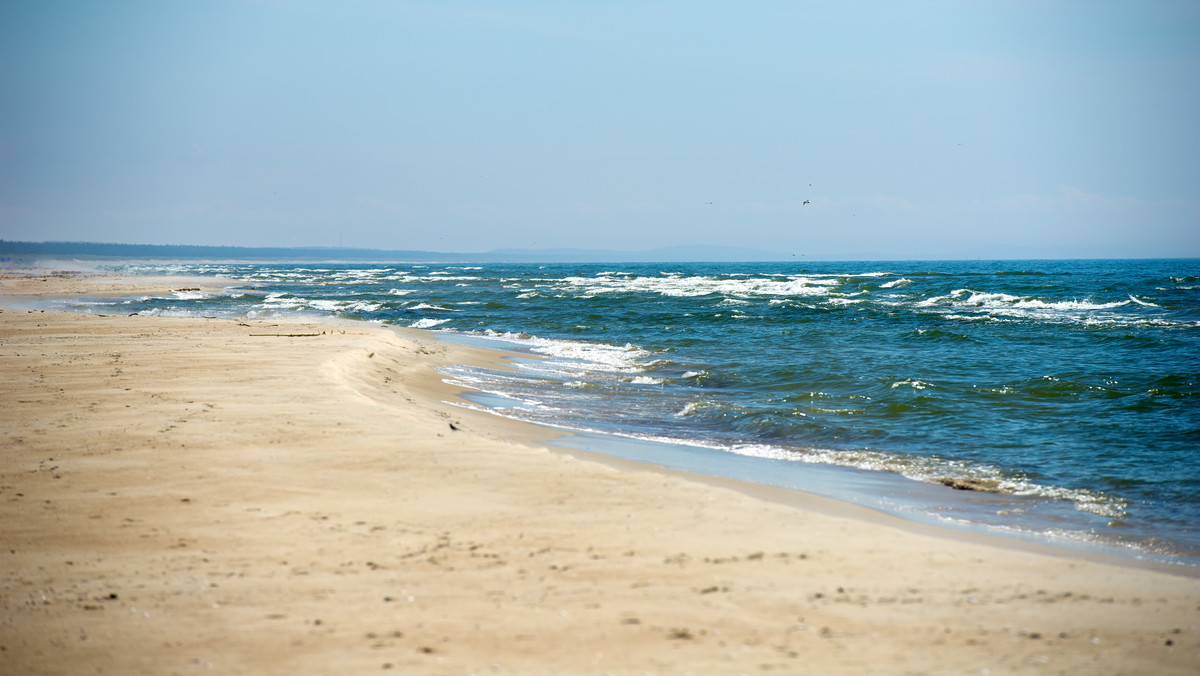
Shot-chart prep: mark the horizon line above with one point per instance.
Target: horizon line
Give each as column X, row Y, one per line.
column 56, row 249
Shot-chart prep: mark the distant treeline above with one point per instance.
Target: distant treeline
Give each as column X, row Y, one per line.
column 96, row 250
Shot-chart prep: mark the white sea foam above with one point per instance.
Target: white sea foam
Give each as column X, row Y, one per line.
column 279, row 301
column 446, row 277
column 925, row 468
column 624, row 359
column 681, row 286
column 462, row 377
column 327, row 305
column 983, row 299
column 581, row 356
column 647, row 380
column 971, row 318
column 427, row 323
column 1065, row 306
column 895, row 283
column 1000, row 306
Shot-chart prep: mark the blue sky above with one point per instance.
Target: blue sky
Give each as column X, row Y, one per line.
column 915, row 129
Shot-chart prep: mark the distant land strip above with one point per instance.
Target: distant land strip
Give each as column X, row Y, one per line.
column 16, row 252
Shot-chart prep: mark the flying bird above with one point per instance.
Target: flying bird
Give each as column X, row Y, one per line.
column 806, row 202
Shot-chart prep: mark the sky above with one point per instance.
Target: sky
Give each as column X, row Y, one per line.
column 900, row 129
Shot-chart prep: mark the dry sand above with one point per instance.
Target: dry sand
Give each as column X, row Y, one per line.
column 186, row 496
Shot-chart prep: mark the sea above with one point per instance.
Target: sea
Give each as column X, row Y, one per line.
column 1048, row 400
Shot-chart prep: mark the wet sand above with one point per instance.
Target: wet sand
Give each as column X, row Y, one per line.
column 186, row 496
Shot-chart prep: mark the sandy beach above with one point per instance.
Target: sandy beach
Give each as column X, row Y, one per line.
column 189, row 495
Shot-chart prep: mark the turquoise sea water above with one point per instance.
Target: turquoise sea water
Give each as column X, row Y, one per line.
column 1068, row 390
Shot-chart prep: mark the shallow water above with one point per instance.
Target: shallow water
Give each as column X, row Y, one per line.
column 1070, row 388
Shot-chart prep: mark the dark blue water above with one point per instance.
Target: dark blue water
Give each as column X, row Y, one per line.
column 1069, row 391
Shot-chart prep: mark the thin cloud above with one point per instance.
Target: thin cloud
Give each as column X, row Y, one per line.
column 1070, row 197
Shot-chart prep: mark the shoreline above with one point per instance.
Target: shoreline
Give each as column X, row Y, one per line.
column 1104, row 553
column 664, row 456
column 209, row 525
column 497, row 356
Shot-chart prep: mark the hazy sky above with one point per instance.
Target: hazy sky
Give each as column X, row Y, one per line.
column 916, row 129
